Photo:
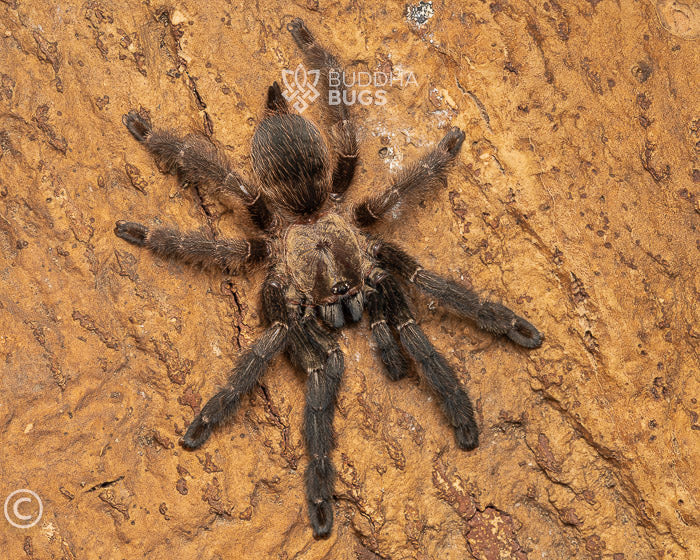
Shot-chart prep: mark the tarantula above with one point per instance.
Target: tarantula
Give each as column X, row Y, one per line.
column 323, row 268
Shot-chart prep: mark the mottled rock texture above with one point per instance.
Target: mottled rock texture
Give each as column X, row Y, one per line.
column 575, row 202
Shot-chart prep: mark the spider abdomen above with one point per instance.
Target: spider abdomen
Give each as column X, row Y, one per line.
column 291, row 161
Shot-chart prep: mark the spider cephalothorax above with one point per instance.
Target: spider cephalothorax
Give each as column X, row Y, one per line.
column 323, row 268
column 327, row 263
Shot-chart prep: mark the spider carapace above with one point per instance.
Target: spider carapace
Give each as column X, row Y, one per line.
column 324, row 266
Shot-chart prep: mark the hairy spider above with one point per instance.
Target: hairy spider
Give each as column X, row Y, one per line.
column 323, row 269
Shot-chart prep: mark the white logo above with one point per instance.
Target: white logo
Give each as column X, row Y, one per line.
column 32, row 513
column 365, row 88
column 300, row 86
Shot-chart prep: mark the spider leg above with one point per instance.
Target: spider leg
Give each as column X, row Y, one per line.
column 194, row 248
column 429, row 170
column 276, row 103
column 389, row 349
column 197, row 162
column 488, row 315
column 343, row 134
column 439, row 375
column 313, row 349
column 249, row 367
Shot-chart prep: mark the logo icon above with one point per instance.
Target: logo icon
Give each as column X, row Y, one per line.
column 30, row 512
column 300, row 86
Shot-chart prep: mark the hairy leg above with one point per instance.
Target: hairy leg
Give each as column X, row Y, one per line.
column 249, row 367
column 198, row 162
column 389, row 349
column 313, row 349
column 489, row 316
column 276, row 103
column 429, row 170
column 194, row 248
column 343, row 134
column 437, row 372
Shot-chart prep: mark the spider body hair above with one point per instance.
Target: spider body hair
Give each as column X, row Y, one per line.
column 291, row 163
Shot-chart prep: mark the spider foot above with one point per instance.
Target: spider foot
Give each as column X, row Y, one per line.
column 300, row 33
column 321, row 516
column 132, row 232
column 197, row 434
column 467, row 436
column 498, row 319
column 525, row 334
column 452, row 141
column 138, row 124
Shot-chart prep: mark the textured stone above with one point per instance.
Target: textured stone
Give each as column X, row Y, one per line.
column 575, row 202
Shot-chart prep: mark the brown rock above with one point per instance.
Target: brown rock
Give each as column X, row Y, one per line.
column 574, row 201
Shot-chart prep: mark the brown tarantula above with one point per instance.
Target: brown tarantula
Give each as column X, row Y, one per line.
column 323, row 269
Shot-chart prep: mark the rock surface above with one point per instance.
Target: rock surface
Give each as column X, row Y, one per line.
column 575, row 202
